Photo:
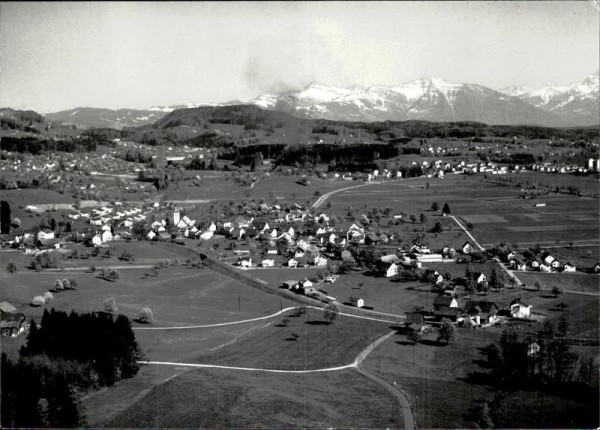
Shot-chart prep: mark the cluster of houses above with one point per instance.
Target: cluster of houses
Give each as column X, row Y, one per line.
column 545, row 263
column 593, row 165
column 468, row 313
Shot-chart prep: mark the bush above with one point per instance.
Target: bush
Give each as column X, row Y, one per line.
column 146, row 315
column 38, row 301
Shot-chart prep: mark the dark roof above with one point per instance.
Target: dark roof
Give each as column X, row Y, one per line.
column 443, row 300
column 477, row 306
column 447, row 311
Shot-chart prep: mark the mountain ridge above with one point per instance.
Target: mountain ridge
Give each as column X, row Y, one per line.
column 429, row 99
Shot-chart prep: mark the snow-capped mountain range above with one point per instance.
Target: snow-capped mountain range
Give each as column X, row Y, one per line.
column 427, row 99
column 576, row 103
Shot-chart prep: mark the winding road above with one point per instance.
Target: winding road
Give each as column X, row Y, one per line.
column 357, row 365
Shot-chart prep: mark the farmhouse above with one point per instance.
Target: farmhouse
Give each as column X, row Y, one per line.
column 481, row 312
column 12, row 322
column 45, row 234
column 448, row 301
column 392, row 270
column 519, row 310
column 467, row 248
column 268, row 263
column 568, row 267
column 447, row 312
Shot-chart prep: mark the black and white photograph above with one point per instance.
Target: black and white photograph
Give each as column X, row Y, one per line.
column 300, row 214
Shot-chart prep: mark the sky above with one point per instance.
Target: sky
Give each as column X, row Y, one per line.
column 56, row 56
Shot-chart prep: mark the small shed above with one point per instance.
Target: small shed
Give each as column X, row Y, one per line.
column 290, row 284
column 356, row 301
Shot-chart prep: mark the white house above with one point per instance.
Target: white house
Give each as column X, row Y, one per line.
column 45, row 234
column 206, row 235
column 519, row 310
column 107, row 236
column 320, row 261
column 392, row 270
column 151, row 235
column 467, row 248
column 268, row 263
column 246, row 262
column 97, row 240
column 568, row 267
column 292, row 263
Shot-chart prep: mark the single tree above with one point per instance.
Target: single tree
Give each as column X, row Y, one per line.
column 563, row 325
column 446, row 208
column 330, row 313
column 438, row 228
column 11, row 267
column 556, row 291
column 537, row 285
column 66, row 284
column 110, row 305
column 413, row 218
column 435, row 206
column 469, row 226
column 415, row 337
column 58, row 285
column 38, row 301
column 146, row 315
column 48, row 296
column 447, row 331
column 423, row 218
column 73, row 284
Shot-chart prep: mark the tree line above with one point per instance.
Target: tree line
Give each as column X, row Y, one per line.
column 66, row 355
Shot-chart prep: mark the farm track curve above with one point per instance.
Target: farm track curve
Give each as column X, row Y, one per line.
column 357, row 365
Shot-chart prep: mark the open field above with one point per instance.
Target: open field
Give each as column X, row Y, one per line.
column 495, row 211
column 214, row 187
column 567, row 281
column 178, row 296
column 228, row 398
column 318, row 345
column 381, row 294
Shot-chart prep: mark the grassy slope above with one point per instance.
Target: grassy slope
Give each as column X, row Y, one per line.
column 260, row 400
column 319, row 345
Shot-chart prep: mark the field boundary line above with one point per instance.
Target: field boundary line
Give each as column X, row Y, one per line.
column 251, row 369
column 325, row 196
column 218, row 324
column 261, row 318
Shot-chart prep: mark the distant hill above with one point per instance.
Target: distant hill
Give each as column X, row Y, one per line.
column 28, row 123
column 86, row 117
column 251, row 117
